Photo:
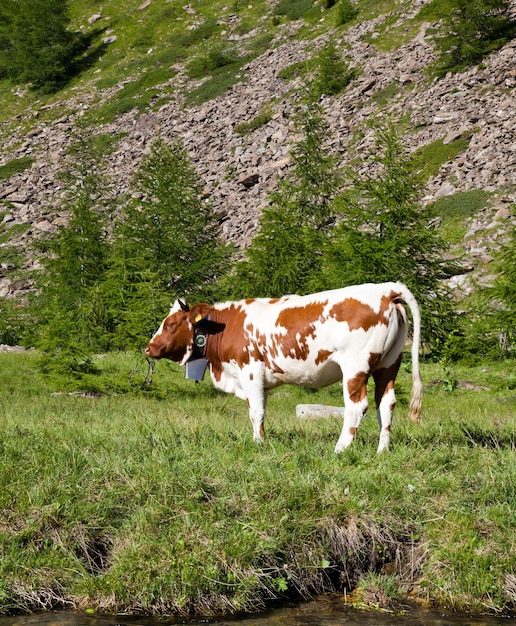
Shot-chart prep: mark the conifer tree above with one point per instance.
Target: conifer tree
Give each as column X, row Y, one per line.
column 504, row 292
column 385, row 234
column 167, row 244
column 285, row 255
column 470, row 31
column 332, row 73
column 36, row 46
column 76, row 258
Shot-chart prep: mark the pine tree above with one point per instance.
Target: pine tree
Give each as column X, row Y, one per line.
column 76, row 258
column 487, row 330
column 502, row 295
column 332, row 73
column 472, row 30
column 285, row 255
column 36, row 46
column 386, row 235
column 167, row 244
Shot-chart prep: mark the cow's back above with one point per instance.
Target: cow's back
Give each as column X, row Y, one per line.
column 306, row 340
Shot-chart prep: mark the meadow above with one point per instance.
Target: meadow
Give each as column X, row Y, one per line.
column 154, row 498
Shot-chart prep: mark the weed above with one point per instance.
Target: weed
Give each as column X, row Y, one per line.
column 379, row 591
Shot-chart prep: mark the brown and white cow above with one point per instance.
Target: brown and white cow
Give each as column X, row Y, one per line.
column 346, row 334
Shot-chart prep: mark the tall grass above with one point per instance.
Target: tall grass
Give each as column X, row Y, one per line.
column 157, row 499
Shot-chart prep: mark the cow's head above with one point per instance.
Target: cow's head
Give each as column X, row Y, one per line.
column 174, row 339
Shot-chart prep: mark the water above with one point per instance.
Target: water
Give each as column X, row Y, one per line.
column 324, row 611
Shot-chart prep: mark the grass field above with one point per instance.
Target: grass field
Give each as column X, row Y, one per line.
column 157, row 500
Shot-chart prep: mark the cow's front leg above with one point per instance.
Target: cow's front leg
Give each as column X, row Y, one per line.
column 257, row 401
column 355, row 407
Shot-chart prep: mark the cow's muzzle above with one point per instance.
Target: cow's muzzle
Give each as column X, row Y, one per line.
column 152, row 351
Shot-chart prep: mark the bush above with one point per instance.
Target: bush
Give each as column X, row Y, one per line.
column 471, row 31
column 332, row 73
column 346, row 11
column 293, row 9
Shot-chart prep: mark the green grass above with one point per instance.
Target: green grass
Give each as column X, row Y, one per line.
column 384, row 96
column 433, row 155
column 454, row 210
column 142, row 93
column 158, row 500
column 8, row 233
column 15, row 166
column 293, row 9
column 217, row 83
column 148, row 43
column 263, row 118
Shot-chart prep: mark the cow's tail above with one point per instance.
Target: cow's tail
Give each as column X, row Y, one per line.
column 417, row 383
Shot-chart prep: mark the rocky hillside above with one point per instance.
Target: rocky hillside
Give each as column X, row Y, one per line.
column 239, row 170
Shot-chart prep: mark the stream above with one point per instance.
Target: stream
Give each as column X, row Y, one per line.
column 323, row 611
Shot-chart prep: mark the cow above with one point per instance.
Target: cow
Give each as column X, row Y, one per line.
column 255, row 345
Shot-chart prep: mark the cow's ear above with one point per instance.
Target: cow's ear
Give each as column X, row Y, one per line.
column 200, row 313
column 183, row 305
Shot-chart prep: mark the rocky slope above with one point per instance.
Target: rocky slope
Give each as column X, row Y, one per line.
column 239, row 171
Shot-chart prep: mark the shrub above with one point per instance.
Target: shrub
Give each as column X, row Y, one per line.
column 332, row 72
column 472, row 30
column 293, row 9
column 346, row 12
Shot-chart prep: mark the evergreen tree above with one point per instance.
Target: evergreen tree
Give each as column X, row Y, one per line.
column 472, row 30
column 35, row 44
column 167, row 244
column 504, row 292
column 285, row 255
column 333, row 74
column 487, row 329
column 385, row 234
column 76, row 259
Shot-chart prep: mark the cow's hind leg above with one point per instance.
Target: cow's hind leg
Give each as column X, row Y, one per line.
column 355, row 407
column 385, row 401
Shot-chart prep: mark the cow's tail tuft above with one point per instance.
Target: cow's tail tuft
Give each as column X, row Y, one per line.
column 417, row 383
